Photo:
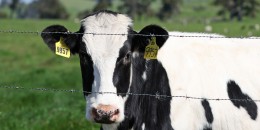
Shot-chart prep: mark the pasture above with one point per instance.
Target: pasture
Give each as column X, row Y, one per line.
column 26, row 62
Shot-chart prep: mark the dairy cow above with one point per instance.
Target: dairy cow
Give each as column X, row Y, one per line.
column 185, row 66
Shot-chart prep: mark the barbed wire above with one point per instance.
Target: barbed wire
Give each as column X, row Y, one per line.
column 202, row 35
column 156, row 95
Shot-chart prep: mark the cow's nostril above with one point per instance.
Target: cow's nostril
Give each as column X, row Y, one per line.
column 95, row 112
column 116, row 111
column 105, row 114
column 110, row 113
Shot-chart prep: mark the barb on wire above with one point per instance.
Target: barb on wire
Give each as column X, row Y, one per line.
column 156, row 95
column 123, row 34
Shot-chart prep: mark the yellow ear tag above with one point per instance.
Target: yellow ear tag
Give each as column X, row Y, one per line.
column 62, row 49
column 151, row 49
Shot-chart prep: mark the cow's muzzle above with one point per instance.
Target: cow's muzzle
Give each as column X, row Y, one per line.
column 105, row 114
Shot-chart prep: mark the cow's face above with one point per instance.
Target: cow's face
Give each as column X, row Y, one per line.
column 105, row 61
column 111, row 65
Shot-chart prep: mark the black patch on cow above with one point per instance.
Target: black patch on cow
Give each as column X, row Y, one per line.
column 121, row 76
column 86, row 64
column 234, row 92
column 208, row 112
column 87, row 71
column 154, row 112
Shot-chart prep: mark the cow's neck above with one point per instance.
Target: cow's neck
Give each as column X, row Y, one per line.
column 149, row 77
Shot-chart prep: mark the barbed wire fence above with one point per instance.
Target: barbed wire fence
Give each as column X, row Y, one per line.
column 201, row 35
column 156, row 95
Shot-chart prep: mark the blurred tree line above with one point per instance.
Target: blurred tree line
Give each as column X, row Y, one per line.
column 53, row 9
column 48, row 9
column 237, row 8
column 138, row 8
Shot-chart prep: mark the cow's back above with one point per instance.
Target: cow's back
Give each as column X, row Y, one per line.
column 213, row 68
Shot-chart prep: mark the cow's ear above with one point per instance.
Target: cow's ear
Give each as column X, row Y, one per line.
column 54, row 33
column 143, row 38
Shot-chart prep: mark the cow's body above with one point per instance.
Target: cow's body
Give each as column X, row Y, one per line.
column 206, row 68
column 210, row 68
column 199, row 67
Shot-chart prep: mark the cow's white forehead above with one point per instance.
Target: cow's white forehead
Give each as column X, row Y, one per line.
column 106, row 23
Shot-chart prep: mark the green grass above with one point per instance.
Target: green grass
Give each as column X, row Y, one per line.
column 26, row 61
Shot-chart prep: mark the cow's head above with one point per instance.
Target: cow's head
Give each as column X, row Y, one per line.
column 105, row 60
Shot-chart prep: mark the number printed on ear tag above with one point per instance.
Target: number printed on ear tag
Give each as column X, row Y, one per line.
column 151, row 49
column 62, row 49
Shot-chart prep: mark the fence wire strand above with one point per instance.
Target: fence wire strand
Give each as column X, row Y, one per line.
column 202, row 35
column 157, row 95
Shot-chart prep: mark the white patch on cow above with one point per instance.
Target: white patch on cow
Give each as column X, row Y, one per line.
column 144, row 76
column 104, row 51
column 143, row 126
column 110, row 126
column 131, row 75
column 130, row 83
column 135, row 54
column 201, row 67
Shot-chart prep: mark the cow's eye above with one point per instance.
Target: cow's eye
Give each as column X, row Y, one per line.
column 127, row 58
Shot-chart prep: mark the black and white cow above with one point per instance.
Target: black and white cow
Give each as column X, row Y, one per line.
column 194, row 67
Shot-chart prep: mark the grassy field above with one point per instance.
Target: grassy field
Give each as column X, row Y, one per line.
column 26, row 62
